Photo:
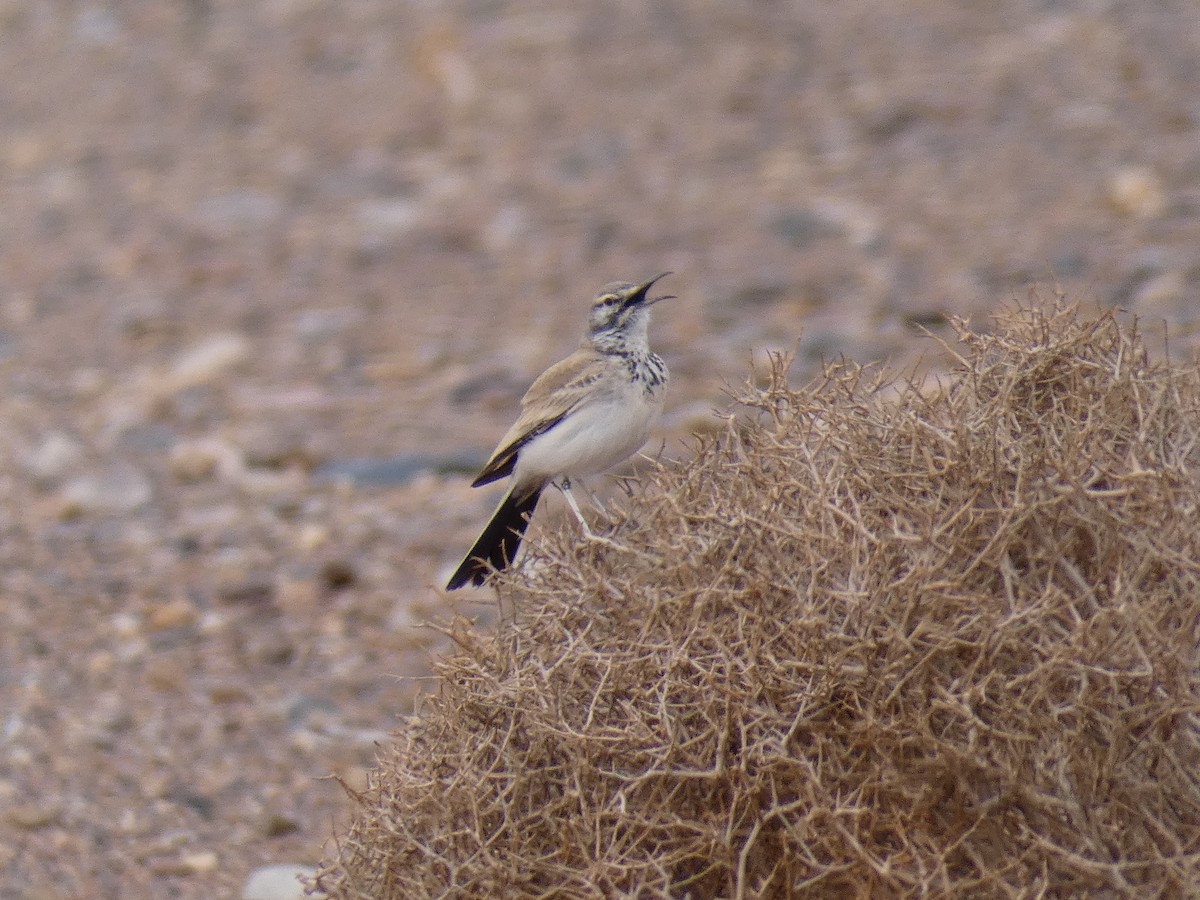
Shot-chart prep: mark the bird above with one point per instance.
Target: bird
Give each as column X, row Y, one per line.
column 580, row 417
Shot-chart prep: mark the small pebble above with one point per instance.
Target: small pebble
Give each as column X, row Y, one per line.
column 223, row 694
column 298, row 597
column 277, row 825
column 200, row 863
column 173, row 614
column 203, row 863
column 126, row 625
column 274, row 650
column 312, row 536
column 101, row 663
column 54, row 457
column 213, row 622
column 192, row 462
column 165, row 675
column 1137, row 191
column 204, row 362
column 252, row 589
column 118, row 490
column 338, row 574
column 275, row 448
column 31, row 816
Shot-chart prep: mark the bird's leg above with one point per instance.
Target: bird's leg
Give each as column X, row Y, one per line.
column 591, row 495
column 564, row 485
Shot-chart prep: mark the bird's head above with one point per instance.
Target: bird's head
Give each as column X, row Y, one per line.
column 621, row 312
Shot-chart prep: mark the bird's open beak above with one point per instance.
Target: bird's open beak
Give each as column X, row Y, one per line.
column 639, row 296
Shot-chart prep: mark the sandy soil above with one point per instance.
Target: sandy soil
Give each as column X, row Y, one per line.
column 274, row 276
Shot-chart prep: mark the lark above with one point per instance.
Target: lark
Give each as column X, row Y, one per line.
column 582, row 416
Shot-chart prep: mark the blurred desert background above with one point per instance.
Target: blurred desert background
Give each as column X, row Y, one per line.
column 274, row 276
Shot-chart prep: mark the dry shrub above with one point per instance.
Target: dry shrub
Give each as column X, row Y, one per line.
column 875, row 643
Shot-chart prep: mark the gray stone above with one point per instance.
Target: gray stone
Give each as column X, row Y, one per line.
column 239, row 209
column 118, row 490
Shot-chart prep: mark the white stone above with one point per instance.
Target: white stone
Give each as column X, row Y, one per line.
column 121, row 489
column 280, row 881
column 204, row 361
column 54, row 457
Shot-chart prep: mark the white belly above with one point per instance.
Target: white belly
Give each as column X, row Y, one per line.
column 593, row 438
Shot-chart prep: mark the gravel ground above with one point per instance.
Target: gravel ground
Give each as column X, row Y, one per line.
column 276, row 274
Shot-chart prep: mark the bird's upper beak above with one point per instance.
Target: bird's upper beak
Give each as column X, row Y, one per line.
column 639, row 297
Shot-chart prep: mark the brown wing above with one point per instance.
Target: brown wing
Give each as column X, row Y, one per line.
column 557, row 391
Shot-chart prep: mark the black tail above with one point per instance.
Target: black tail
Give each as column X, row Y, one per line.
column 497, row 545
